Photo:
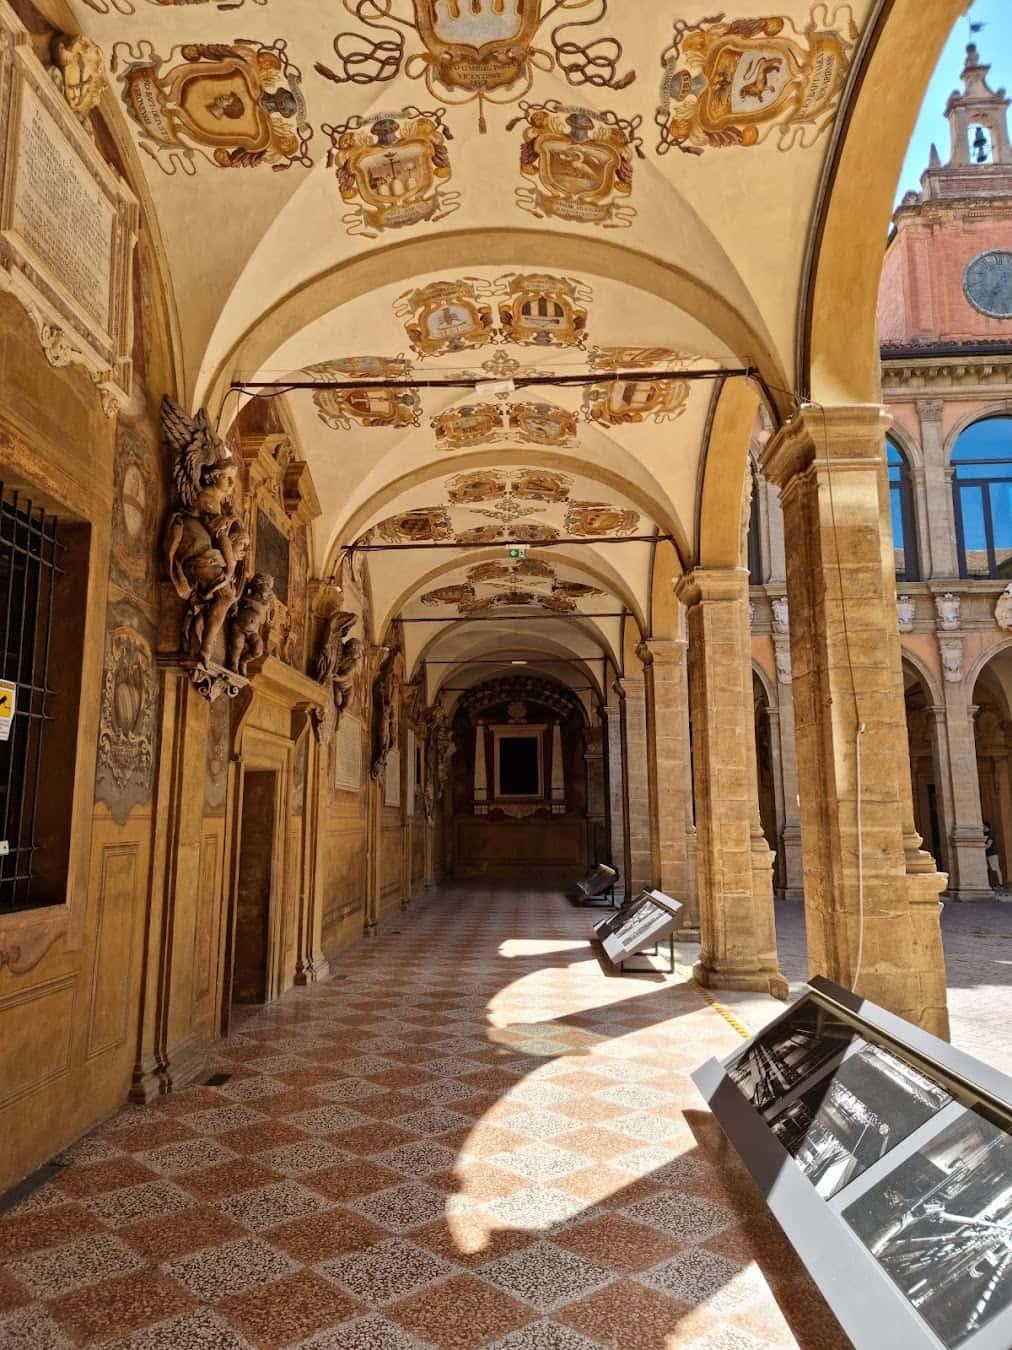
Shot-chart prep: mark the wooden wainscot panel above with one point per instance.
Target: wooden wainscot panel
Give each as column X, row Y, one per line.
column 35, row 1032
column 112, row 969
column 205, row 944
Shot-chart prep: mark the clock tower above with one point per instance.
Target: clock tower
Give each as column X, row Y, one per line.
column 947, row 276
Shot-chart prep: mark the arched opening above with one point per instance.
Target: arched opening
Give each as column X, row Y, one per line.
column 767, row 755
column 982, row 487
column 901, row 509
column 922, row 736
column 992, row 698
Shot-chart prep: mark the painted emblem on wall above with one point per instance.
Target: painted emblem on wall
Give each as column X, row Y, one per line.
column 216, row 774
column 126, row 741
column 363, row 368
column 393, row 168
column 625, row 402
column 428, row 524
column 341, row 409
column 238, row 104
column 543, row 311
column 474, row 50
column 737, row 82
column 594, row 520
column 130, row 7
column 136, row 509
column 470, row 424
column 447, row 316
column 581, row 161
column 613, row 359
column 482, row 423
column 542, row 424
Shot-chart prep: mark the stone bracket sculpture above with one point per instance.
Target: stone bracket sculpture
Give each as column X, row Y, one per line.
column 251, row 616
column 336, row 670
column 386, row 693
column 204, row 550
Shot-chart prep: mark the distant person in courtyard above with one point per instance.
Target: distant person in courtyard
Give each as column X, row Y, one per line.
column 994, row 874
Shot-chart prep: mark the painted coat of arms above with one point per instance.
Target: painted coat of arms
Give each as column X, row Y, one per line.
column 470, row 424
column 129, row 7
column 394, row 167
column 363, row 368
column 238, row 104
column 625, row 402
column 581, row 161
column 543, row 311
column 735, row 82
column 341, row 409
column 595, row 520
column 126, row 742
column 474, row 50
column 447, row 316
column 542, row 424
column 614, row 359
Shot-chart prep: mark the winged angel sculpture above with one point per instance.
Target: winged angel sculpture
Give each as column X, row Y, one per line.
column 475, row 50
column 205, row 546
column 336, row 669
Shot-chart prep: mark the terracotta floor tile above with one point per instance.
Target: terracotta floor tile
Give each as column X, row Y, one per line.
column 311, row 1074
column 211, row 1183
column 120, row 1305
column 289, row 1310
column 348, row 1181
column 322, row 1236
column 616, row 1241
column 12, row 1294
column 373, row 1138
column 389, row 1106
column 604, row 1185
column 22, row 1233
column 627, row 1316
column 290, row 1103
column 264, row 1135
column 140, row 1138
column 471, row 1240
column 460, row 1314
column 593, row 1142
column 95, row 1178
column 175, row 1235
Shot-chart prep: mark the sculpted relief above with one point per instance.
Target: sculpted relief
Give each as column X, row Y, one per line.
column 337, row 666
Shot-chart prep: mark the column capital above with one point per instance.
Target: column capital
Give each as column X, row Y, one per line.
column 832, row 435
column 662, row 651
column 707, row 584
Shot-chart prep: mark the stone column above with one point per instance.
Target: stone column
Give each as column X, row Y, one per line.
column 637, row 765
column 616, row 791
column 790, row 832
column 668, row 718
column 738, row 945
column 968, row 879
column 882, row 936
column 595, row 757
column 936, row 534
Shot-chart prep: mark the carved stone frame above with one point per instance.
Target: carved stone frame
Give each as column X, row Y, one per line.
column 68, row 333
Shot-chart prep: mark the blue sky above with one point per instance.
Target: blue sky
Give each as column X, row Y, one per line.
column 995, row 43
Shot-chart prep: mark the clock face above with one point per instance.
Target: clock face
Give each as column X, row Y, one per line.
column 988, row 284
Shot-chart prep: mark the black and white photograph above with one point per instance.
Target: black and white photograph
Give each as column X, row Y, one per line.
column 853, row 1116
column 776, row 1061
column 940, row 1226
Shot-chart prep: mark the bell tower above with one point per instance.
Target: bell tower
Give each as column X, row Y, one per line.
column 980, row 156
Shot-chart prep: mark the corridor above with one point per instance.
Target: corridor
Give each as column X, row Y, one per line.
column 470, row 1136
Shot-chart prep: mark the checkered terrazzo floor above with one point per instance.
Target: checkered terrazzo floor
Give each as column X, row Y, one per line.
column 472, row 1136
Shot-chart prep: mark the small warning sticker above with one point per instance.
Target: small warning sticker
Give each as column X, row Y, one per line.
column 8, row 702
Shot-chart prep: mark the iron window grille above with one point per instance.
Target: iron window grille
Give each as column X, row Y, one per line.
column 29, row 576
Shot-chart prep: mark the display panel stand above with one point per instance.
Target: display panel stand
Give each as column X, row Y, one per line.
column 598, row 886
column 639, row 928
column 886, row 1156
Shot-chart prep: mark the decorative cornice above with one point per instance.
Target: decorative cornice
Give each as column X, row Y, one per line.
column 852, row 432
column 705, row 585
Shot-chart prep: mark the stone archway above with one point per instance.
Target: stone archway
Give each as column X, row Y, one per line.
column 993, row 743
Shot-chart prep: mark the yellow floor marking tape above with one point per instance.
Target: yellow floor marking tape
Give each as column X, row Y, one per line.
column 728, row 1016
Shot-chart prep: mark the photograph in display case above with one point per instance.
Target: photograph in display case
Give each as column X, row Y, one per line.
column 853, row 1115
column 794, row 1048
column 940, row 1226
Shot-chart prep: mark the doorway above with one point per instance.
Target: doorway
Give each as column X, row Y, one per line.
column 250, row 968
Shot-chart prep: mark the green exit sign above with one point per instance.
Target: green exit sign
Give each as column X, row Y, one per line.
column 516, row 551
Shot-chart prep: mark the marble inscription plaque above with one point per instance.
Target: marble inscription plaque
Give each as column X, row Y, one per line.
column 348, row 753
column 63, row 218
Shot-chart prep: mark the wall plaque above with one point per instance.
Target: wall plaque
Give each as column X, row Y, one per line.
column 348, row 753
column 67, row 224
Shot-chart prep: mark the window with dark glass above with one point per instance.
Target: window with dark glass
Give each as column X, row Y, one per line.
column 982, row 486
column 901, row 502
column 43, row 582
column 755, row 552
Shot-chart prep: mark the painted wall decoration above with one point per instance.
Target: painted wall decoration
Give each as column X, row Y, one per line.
column 624, row 402
column 612, row 359
column 363, row 368
column 130, row 6
column 238, row 104
column 474, row 50
column 342, row 409
column 449, row 595
column 470, row 424
column 124, row 776
column 539, row 310
column 447, row 316
column 428, row 524
column 542, row 424
column 594, row 520
column 136, row 509
column 528, row 582
column 484, row 423
column 581, row 163
column 393, row 168
column 737, row 82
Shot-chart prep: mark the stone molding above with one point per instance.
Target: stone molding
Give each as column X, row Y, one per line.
column 815, row 436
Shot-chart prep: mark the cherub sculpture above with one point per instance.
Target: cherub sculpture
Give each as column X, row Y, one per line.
column 246, row 625
column 205, row 542
column 384, row 711
column 336, row 668
column 79, row 72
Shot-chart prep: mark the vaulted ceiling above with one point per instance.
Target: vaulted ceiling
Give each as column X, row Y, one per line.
column 510, row 243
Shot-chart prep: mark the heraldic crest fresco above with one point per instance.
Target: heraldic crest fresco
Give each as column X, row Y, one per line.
column 447, row 316
column 581, row 161
column 627, row 402
column 481, row 423
column 534, row 309
column 475, row 50
column 342, row 409
column 238, row 104
column 736, row 82
column 130, row 6
column 393, row 168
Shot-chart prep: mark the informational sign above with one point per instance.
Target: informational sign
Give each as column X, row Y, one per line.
column 8, row 707
column 599, row 881
column 647, row 920
column 886, row 1156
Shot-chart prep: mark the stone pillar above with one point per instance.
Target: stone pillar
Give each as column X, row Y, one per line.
column 311, row 965
column 480, row 772
column 616, row 790
column 597, row 805
column 884, row 936
column 738, row 945
column 637, row 774
column 668, row 718
column 968, row 879
column 936, row 534
column 558, row 773
column 790, row 831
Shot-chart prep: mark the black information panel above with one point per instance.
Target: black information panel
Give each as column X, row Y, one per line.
column 599, row 881
column 641, row 923
column 886, row 1155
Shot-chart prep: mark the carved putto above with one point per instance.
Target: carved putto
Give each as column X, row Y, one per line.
column 385, row 697
column 336, row 669
column 79, row 72
column 1003, row 609
column 205, row 543
column 248, row 620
